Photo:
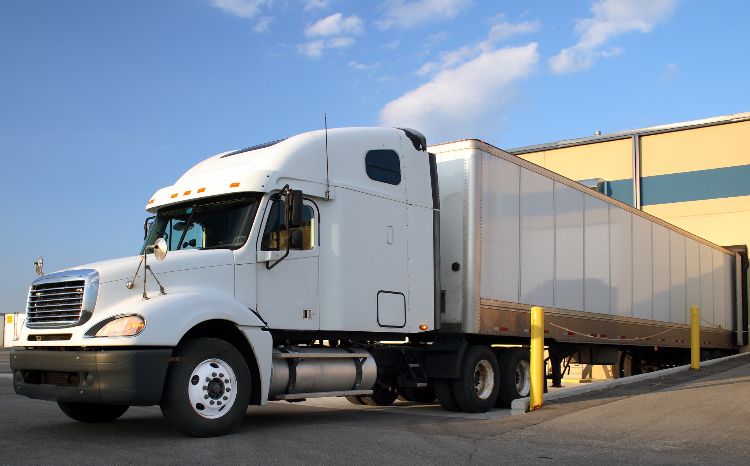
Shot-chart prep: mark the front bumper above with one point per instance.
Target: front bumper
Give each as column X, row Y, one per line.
column 125, row 377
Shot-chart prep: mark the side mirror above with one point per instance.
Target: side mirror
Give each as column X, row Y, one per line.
column 160, row 249
column 296, row 239
column 294, row 204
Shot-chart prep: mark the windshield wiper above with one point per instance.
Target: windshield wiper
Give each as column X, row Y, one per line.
column 187, row 227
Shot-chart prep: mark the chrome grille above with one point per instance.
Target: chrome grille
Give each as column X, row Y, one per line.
column 56, row 304
column 62, row 299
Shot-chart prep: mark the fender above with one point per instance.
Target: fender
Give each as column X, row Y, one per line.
column 169, row 317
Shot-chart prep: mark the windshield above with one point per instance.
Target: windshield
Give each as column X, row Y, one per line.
column 217, row 223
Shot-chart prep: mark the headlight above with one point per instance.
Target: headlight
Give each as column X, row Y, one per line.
column 128, row 326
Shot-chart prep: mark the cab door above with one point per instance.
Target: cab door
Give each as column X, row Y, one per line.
column 287, row 293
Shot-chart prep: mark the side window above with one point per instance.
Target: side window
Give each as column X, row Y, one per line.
column 383, row 165
column 275, row 234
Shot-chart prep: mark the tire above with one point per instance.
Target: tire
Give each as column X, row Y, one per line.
column 92, row 412
column 476, row 387
column 515, row 376
column 381, row 396
column 444, row 392
column 418, row 395
column 207, row 389
column 353, row 399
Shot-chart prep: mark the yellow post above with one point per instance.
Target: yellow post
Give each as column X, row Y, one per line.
column 695, row 337
column 537, row 358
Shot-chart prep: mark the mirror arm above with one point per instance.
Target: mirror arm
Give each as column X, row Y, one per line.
column 269, row 265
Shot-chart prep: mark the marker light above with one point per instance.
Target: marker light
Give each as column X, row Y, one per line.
column 200, row 190
column 174, row 195
column 151, row 201
column 128, row 326
column 186, row 192
column 423, row 327
column 234, row 185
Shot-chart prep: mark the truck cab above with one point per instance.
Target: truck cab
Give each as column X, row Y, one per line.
column 249, row 257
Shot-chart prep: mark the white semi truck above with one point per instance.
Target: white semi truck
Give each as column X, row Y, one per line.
column 359, row 263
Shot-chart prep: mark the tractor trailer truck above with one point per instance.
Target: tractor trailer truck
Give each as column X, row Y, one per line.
column 358, row 262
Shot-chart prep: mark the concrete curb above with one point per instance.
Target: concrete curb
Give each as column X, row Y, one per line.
column 521, row 405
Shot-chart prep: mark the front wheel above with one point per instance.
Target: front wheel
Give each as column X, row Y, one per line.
column 207, row 389
column 92, row 412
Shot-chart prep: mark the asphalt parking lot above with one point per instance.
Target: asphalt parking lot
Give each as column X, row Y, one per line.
column 687, row 418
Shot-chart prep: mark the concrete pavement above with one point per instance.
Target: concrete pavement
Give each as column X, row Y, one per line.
column 686, row 417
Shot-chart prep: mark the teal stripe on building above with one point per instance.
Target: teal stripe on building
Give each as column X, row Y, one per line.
column 715, row 183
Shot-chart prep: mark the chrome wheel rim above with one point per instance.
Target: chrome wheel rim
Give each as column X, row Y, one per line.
column 484, row 379
column 523, row 378
column 212, row 388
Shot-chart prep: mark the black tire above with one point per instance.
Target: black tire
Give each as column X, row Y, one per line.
column 444, row 392
column 515, row 374
column 418, row 395
column 381, row 396
column 92, row 412
column 203, row 368
column 354, row 399
column 476, row 388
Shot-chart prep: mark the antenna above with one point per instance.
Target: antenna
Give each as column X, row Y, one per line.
column 328, row 181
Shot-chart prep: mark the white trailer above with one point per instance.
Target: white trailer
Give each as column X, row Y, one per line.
column 281, row 271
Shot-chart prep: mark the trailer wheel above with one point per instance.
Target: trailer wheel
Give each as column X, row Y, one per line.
column 515, row 376
column 418, row 395
column 207, row 389
column 476, row 388
column 381, row 396
column 92, row 412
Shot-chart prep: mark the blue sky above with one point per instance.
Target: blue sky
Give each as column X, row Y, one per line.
column 102, row 103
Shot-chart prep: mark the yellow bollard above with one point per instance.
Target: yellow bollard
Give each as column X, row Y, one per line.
column 695, row 338
column 537, row 358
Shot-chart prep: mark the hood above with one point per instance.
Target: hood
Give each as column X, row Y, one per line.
column 124, row 268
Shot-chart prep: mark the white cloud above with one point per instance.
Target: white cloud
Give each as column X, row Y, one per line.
column 363, row 66
column 505, row 29
column 611, row 18
column 670, row 71
column 335, row 25
column 315, row 5
column 427, row 68
column 498, row 32
column 409, row 13
column 332, row 32
column 340, row 42
column 312, row 49
column 465, row 99
column 241, row 8
column 392, row 45
column 263, row 24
